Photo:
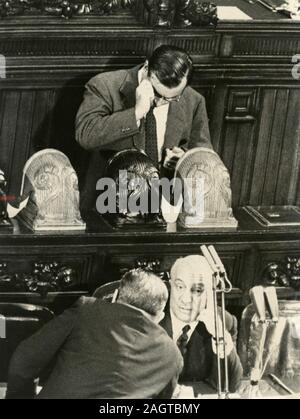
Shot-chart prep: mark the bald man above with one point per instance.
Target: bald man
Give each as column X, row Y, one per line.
column 189, row 321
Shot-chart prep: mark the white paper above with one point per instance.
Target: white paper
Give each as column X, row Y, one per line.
column 231, row 13
column 13, row 211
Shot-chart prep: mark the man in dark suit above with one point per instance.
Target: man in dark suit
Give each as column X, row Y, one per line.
column 189, row 320
column 150, row 107
column 103, row 350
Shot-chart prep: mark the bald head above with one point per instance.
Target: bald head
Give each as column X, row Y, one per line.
column 195, row 267
column 190, row 284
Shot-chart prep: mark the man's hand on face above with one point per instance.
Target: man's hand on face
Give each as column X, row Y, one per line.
column 172, row 157
column 144, row 96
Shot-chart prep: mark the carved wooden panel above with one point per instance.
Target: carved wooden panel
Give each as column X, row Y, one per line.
column 277, row 161
column 241, row 105
column 117, row 264
column 267, row 254
column 197, row 46
column 75, row 46
column 34, row 119
column 260, row 144
column 23, row 264
column 265, row 45
column 237, row 147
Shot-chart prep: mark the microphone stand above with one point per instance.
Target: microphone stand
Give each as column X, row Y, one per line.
column 220, row 285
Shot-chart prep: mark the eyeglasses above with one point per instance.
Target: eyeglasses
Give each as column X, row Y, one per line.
column 167, row 99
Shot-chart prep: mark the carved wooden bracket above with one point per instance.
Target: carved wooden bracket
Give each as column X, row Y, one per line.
column 44, row 278
column 284, row 273
column 161, row 13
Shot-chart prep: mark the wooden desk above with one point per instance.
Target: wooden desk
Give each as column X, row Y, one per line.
column 201, row 390
column 101, row 255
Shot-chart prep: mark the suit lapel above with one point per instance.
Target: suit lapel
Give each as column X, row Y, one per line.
column 166, row 323
column 175, row 123
column 127, row 90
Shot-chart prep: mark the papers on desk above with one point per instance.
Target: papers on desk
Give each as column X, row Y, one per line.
column 231, row 13
column 13, row 211
column 183, row 392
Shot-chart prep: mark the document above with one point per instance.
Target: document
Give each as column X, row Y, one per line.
column 231, row 13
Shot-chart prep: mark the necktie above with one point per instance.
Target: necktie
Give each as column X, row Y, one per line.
column 151, row 136
column 182, row 341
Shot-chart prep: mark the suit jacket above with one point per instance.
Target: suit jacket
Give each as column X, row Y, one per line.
column 103, row 350
column 200, row 362
column 106, row 122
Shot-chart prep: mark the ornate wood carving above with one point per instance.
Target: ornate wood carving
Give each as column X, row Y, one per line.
column 52, row 186
column 184, row 13
column 264, row 45
column 162, row 13
column 44, row 278
column 196, row 12
column 129, row 46
column 207, row 194
column 284, row 273
column 63, row 8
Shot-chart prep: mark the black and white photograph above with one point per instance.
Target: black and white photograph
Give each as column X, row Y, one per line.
column 149, row 202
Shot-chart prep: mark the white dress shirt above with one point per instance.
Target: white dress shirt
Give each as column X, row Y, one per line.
column 161, row 117
column 178, row 325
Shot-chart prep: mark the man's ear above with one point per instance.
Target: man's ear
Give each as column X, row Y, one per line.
column 146, row 67
column 115, row 295
column 158, row 317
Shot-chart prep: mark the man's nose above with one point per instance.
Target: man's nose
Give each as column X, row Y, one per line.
column 186, row 297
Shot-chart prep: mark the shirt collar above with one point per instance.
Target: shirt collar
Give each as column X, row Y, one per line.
column 178, row 325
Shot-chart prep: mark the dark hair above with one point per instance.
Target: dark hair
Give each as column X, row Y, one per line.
column 144, row 290
column 170, row 65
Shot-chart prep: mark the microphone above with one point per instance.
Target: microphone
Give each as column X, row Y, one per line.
column 217, row 259
column 208, row 257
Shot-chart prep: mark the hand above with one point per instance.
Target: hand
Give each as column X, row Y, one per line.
column 144, row 96
column 172, row 157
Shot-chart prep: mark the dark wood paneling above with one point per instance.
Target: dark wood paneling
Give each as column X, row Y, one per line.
column 275, row 46
column 238, row 139
column 261, row 151
column 253, row 106
column 276, row 168
column 34, row 119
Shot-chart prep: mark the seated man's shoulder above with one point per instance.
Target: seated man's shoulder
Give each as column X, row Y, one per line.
column 170, row 349
column 85, row 301
column 193, row 95
column 110, row 77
